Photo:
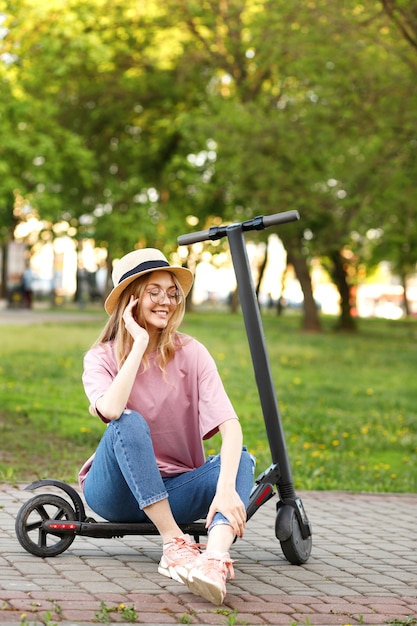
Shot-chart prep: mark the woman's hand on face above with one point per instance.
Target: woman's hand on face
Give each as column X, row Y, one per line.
column 131, row 325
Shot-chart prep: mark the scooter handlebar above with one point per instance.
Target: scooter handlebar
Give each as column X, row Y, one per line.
column 257, row 223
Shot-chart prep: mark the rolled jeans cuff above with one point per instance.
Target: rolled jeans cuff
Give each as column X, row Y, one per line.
column 218, row 519
column 153, row 500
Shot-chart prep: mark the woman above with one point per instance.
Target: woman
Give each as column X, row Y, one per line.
column 160, row 394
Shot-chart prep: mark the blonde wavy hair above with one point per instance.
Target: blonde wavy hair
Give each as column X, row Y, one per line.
column 114, row 330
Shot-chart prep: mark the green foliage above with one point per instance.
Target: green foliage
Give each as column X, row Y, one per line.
column 137, row 115
column 128, row 614
column 39, row 156
column 232, row 617
column 347, row 402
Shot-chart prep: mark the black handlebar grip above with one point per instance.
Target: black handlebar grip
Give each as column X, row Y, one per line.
column 189, row 238
column 280, row 218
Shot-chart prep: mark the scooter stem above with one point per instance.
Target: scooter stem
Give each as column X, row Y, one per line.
column 261, row 366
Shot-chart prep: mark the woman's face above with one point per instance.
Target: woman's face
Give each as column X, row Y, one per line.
column 156, row 306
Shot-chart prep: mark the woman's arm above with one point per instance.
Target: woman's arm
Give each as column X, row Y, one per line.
column 227, row 500
column 112, row 403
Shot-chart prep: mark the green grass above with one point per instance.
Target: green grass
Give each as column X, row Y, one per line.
column 347, row 402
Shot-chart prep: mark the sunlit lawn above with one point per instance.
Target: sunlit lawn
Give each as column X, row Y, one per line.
column 348, row 402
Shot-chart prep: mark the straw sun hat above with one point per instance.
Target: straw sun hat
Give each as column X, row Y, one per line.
column 140, row 262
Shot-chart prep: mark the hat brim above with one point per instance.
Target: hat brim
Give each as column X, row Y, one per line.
column 182, row 274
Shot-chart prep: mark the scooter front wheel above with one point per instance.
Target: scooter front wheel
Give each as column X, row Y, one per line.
column 29, row 525
column 296, row 549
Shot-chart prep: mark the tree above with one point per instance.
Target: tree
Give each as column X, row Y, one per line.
column 403, row 13
column 144, row 116
column 109, row 87
column 300, row 120
column 29, row 164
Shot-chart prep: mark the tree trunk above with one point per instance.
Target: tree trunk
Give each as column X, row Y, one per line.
column 261, row 271
column 406, row 303
column 339, row 273
column 311, row 320
column 109, row 281
column 189, row 306
column 3, row 284
column 234, row 301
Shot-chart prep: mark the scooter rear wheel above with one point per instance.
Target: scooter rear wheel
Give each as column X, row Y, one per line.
column 29, row 525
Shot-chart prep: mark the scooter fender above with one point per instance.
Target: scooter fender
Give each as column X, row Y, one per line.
column 70, row 491
column 284, row 521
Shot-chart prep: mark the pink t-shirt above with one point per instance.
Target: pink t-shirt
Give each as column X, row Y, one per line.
column 181, row 410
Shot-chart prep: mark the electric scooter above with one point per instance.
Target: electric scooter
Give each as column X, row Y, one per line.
column 48, row 523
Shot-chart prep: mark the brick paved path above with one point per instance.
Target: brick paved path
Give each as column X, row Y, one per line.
column 363, row 570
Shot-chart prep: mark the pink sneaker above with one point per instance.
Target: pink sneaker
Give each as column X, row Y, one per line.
column 178, row 557
column 208, row 576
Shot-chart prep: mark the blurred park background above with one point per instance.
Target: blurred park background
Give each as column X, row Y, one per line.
column 126, row 123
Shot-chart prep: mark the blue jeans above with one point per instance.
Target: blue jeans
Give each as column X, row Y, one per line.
column 124, row 478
